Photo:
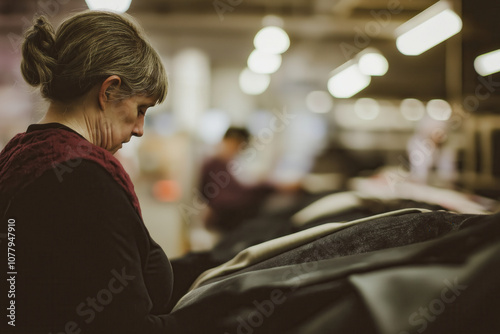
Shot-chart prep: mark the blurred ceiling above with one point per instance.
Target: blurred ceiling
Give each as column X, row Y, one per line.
column 323, row 33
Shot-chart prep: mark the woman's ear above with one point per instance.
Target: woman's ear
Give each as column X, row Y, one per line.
column 109, row 85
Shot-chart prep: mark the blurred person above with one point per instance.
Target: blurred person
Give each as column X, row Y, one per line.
column 428, row 152
column 229, row 201
column 82, row 258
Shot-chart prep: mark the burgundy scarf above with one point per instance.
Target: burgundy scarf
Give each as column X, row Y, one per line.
column 28, row 155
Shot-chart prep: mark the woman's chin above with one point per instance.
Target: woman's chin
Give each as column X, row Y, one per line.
column 115, row 149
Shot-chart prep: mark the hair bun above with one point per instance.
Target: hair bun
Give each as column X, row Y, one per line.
column 39, row 59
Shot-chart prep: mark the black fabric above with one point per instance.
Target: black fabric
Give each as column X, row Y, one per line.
column 84, row 259
column 319, row 297
column 377, row 234
column 186, row 269
column 266, row 227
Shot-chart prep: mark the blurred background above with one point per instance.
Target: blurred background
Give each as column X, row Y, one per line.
column 335, row 93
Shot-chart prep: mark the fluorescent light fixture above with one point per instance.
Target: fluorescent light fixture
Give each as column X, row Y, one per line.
column 319, row 101
column 119, row 6
column 366, row 108
column 429, row 28
column 372, row 62
column 347, row 81
column 412, row 109
column 488, row 63
column 440, row 110
column 261, row 62
column 252, row 83
column 272, row 40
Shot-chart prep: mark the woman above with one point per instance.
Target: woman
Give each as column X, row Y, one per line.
column 81, row 259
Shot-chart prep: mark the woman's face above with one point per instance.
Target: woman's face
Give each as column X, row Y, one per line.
column 122, row 120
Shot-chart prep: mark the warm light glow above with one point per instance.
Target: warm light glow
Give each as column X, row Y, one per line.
column 167, row 190
column 261, row 62
column 348, row 82
column 373, row 63
column 440, row 110
column 253, row 83
column 488, row 63
column 426, row 30
column 412, row 109
column 272, row 40
column 119, row 6
column 319, row 102
column 367, row 108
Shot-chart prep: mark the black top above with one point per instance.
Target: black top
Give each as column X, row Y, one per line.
column 84, row 259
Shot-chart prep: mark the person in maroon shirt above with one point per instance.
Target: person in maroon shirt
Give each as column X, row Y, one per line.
column 83, row 261
column 230, row 202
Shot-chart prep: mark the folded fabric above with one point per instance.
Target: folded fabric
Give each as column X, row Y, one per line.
column 447, row 285
column 389, row 186
column 277, row 246
column 373, row 235
column 328, row 205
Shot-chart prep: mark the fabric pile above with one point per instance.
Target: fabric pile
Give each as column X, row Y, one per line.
column 410, row 270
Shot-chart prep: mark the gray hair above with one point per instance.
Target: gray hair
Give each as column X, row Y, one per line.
column 86, row 49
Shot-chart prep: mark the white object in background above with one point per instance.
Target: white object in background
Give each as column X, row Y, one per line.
column 372, row 62
column 366, row 108
column 265, row 63
column 440, row 110
column 272, row 40
column 428, row 29
column 319, row 101
column 488, row 63
column 348, row 81
column 412, row 109
column 252, row 83
column 190, row 96
column 120, row 6
column 212, row 126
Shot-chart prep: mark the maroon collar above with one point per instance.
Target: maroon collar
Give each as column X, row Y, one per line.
column 28, row 155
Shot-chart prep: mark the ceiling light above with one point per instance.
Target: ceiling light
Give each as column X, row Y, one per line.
column 347, row 81
column 119, row 6
column 261, row 62
column 429, row 28
column 319, row 102
column 252, row 83
column 412, row 109
column 440, row 110
column 367, row 108
column 272, row 40
column 373, row 63
column 488, row 63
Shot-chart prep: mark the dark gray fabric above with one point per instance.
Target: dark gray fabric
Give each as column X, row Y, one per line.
column 320, row 297
column 369, row 236
column 271, row 226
